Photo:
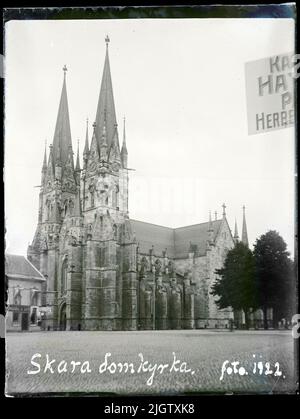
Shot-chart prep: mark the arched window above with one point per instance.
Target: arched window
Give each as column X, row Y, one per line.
column 47, row 210
column 65, row 207
column 92, row 196
column 117, row 196
column 64, row 272
column 71, row 206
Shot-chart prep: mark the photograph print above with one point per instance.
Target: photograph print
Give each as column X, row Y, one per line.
column 150, row 206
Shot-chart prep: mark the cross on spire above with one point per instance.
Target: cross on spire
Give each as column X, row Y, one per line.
column 107, row 40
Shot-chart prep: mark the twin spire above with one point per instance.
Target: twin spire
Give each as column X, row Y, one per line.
column 105, row 126
column 244, row 230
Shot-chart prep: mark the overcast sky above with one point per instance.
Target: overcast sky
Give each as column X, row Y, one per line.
column 181, row 86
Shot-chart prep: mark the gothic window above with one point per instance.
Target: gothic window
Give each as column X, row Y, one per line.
column 101, row 256
column 115, row 230
column 47, row 209
column 65, row 207
column 106, row 200
column 115, row 197
column 71, row 206
column 92, row 196
column 64, row 271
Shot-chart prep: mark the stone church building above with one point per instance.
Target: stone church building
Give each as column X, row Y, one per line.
column 103, row 270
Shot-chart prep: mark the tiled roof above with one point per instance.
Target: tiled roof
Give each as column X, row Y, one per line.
column 196, row 234
column 19, row 266
column 176, row 241
column 148, row 234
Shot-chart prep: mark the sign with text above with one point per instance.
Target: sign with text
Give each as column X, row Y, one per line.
column 270, row 93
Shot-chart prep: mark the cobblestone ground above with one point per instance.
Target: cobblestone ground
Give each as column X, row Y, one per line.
column 203, row 351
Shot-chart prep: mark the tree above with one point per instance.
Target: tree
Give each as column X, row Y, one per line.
column 235, row 284
column 275, row 279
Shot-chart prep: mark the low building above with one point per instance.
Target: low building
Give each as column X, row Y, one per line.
column 25, row 285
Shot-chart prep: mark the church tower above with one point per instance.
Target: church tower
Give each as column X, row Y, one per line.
column 109, row 266
column 59, row 222
column 244, row 229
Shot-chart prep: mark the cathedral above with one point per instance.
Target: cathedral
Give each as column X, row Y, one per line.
column 104, row 270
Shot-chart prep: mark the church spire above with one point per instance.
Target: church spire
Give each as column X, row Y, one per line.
column 124, row 153
column 244, row 230
column 106, row 104
column 236, row 234
column 62, row 140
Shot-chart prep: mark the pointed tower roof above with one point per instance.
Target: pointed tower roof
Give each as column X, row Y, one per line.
column 244, row 230
column 86, row 145
column 236, row 234
column 77, row 168
column 62, row 140
column 124, row 148
column 106, row 104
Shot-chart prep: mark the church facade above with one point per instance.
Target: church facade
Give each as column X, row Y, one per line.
column 103, row 270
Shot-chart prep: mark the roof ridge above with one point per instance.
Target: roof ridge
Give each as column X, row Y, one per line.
column 175, row 228
column 197, row 224
column 153, row 224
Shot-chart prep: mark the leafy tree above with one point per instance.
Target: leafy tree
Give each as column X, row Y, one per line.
column 235, row 285
column 275, row 280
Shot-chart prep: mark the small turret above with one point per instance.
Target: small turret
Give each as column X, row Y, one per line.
column 210, row 230
column 124, row 153
column 44, row 168
column 86, row 145
column 77, row 168
column 114, row 152
column 236, row 235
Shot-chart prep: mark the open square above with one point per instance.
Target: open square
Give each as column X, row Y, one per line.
column 204, row 352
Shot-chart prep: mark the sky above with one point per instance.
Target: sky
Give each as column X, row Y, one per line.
column 180, row 83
